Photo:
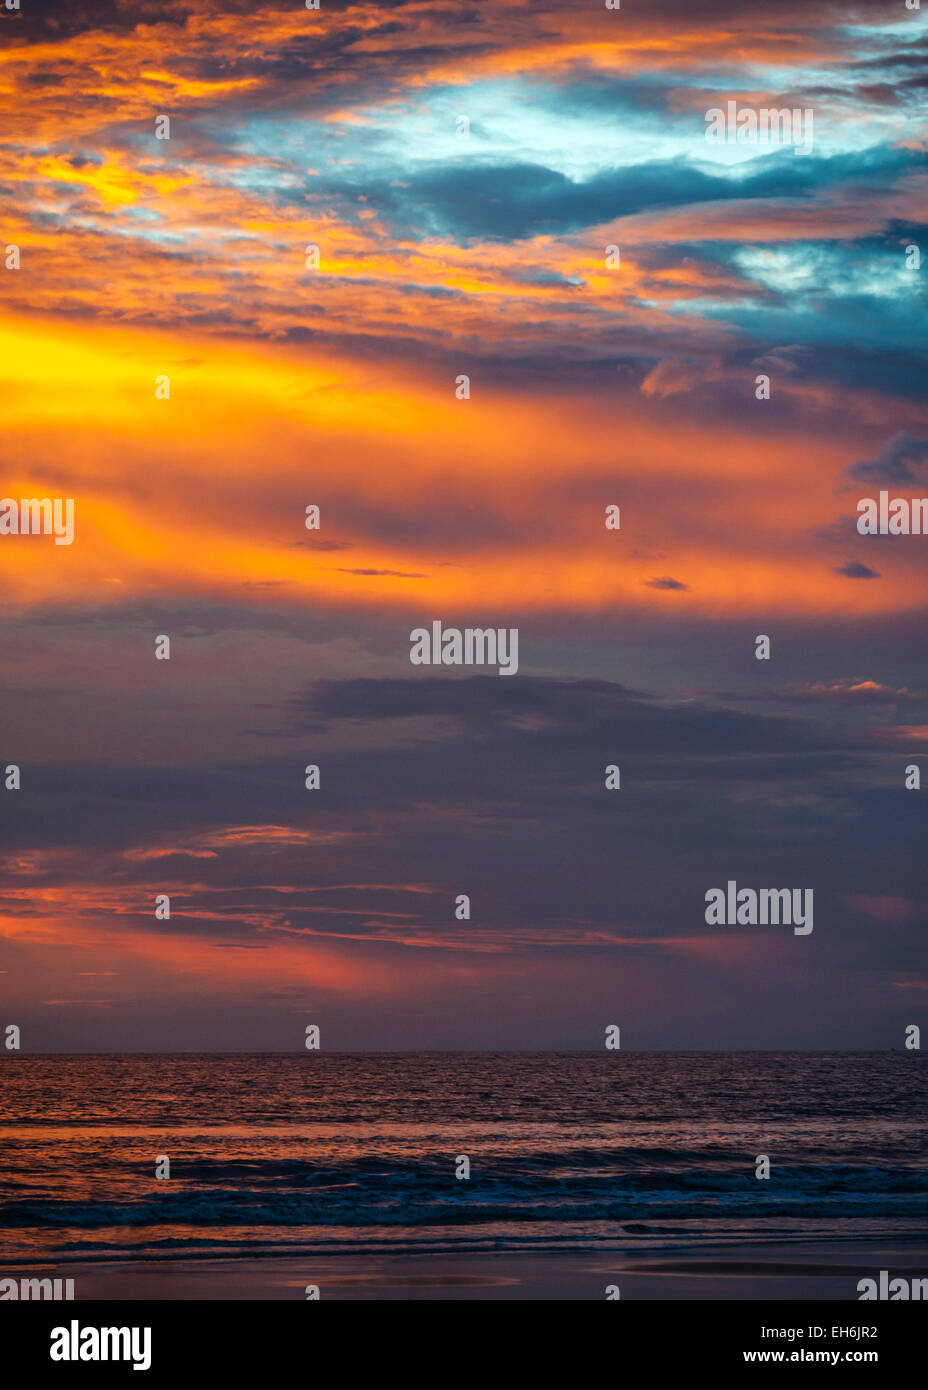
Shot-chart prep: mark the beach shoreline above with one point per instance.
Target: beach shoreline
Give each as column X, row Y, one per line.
column 813, row 1271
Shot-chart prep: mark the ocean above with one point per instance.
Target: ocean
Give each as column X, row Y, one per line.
column 278, row 1154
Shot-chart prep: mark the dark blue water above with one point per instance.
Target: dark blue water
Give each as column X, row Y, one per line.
column 568, row 1151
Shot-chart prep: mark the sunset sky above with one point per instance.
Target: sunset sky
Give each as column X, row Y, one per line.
column 444, row 254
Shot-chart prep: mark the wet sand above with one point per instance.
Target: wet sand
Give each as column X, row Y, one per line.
column 817, row 1270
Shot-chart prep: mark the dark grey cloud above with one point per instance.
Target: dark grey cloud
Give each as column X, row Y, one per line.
column 486, row 200
column 854, row 693
column 855, row 570
column 393, row 574
column 492, row 786
column 900, row 462
column 666, row 582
